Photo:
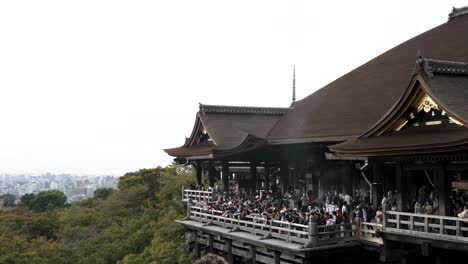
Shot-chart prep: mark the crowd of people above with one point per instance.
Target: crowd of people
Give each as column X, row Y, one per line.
column 458, row 202
column 293, row 206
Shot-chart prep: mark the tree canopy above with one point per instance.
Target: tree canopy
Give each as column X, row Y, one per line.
column 102, row 193
column 134, row 224
column 43, row 201
column 8, row 200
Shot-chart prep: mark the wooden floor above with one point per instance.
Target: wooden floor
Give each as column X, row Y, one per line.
column 290, row 252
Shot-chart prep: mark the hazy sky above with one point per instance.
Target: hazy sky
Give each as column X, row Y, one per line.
column 103, row 86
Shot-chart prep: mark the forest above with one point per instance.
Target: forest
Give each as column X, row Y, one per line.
column 130, row 225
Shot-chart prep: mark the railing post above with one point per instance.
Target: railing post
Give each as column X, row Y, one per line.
column 384, row 218
column 441, row 231
column 426, row 224
column 312, row 232
column 411, row 224
column 457, row 226
column 183, row 193
column 398, row 221
column 358, row 227
column 189, row 207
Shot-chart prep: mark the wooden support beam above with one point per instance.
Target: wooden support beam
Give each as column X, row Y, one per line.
column 228, row 250
column 199, row 169
column 253, row 177
column 225, row 171
column 210, row 243
column 377, row 191
column 277, row 258
column 284, row 176
column 388, row 253
column 253, row 254
column 441, row 187
column 402, row 187
column 211, row 173
column 425, row 249
column 196, row 246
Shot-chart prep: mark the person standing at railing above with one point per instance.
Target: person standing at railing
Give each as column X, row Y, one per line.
column 418, row 209
column 428, row 209
column 379, row 216
column 464, row 213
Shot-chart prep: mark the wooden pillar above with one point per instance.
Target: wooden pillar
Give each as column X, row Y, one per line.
column 441, row 188
column 253, row 177
column 377, row 174
column 347, row 179
column 389, row 252
column 267, row 175
column 211, row 173
column 210, row 248
column 226, row 176
column 199, row 169
column 196, row 246
column 277, row 258
column 377, row 187
column 253, row 254
column 228, row 250
column 402, row 188
column 376, row 190
column 284, row 175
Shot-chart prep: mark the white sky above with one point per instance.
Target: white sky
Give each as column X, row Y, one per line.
column 103, row 86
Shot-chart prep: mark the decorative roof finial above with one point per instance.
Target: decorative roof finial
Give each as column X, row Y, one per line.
column 294, row 86
column 458, row 12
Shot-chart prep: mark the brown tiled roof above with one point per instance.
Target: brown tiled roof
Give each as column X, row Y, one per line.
column 446, row 82
column 231, row 128
column 451, row 92
column 350, row 105
column 413, row 140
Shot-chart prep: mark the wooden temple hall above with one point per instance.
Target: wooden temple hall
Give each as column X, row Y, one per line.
column 396, row 126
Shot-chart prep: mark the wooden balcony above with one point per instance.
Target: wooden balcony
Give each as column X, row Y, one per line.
column 269, row 241
column 437, row 231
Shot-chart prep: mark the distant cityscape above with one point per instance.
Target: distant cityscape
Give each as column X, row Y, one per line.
column 76, row 187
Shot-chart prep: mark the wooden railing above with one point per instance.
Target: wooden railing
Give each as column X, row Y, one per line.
column 367, row 232
column 197, row 196
column 260, row 226
column 310, row 235
column 433, row 226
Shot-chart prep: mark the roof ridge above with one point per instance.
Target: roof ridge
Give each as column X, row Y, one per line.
column 431, row 66
column 458, row 12
column 227, row 109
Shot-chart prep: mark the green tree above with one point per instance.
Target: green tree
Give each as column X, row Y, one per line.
column 26, row 200
column 8, row 200
column 147, row 177
column 44, row 201
column 41, row 225
column 103, row 193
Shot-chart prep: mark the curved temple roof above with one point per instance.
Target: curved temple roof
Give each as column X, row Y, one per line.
column 231, row 129
column 446, row 84
column 348, row 107
column 353, row 103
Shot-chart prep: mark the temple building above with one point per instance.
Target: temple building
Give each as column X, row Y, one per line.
column 396, row 125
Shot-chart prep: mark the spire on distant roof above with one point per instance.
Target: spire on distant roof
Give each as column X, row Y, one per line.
column 458, row 12
column 294, row 86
